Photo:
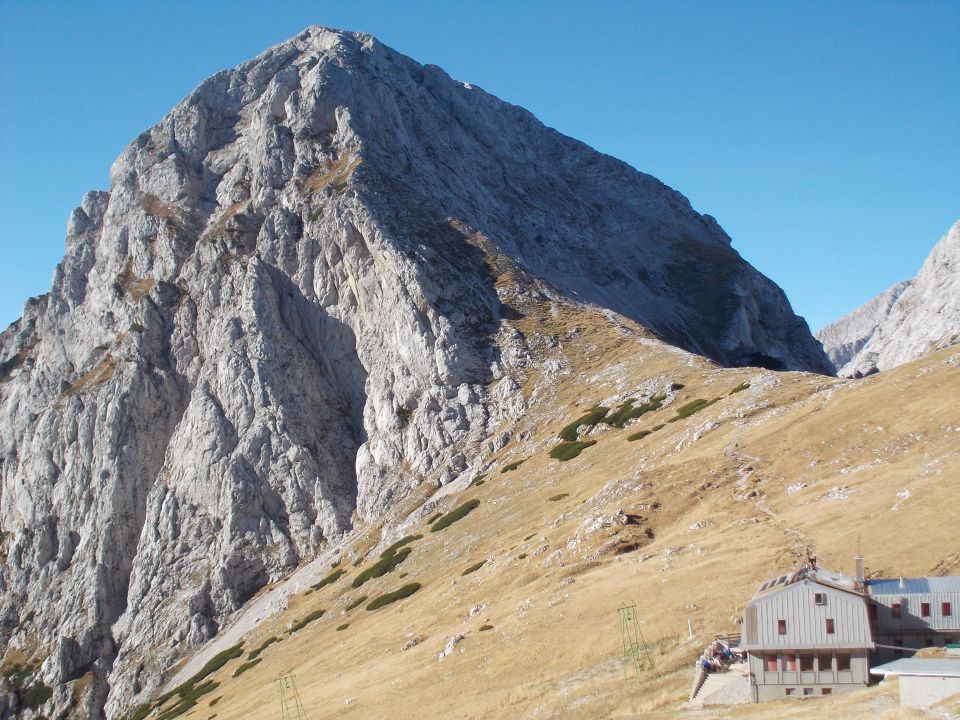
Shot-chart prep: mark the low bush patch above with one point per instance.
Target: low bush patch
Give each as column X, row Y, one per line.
column 254, row 654
column 140, row 713
column 433, row 518
column 484, row 628
column 400, row 543
column 16, row 675
column 381, row 567
column 301, row 624
column 478, row 480
column 391, row 597
column 476, row 566
column 627, row 412
column 739, row 388
column 694, row 406
column 589, row 419
column 188, row 700
column 569, row 450
column 341, row 628
column 558, row 497
column 35, row 696
column 246, row 666
column 329, row 579
column 513, row 466
column 458, row 513
column 190, row 687
column 359, row 601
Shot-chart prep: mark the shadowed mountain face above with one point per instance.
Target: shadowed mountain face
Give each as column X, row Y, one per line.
column 288, row 312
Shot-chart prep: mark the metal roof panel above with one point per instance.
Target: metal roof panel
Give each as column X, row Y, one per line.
column 914, row 586
column 919, row 666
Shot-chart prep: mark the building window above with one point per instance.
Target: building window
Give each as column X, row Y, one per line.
column 899, row 646
column 929, row 641
column 770, row 662
column 826, row 691
column 829, row 626
column 789, row 691
column 819, row 598
column 824, row 662
column 789, row 663
column 807, row 692
column 805, row 662
column 781, row 627
column 843, row 662
column 924, row 609
column 895, row 611
column 945, row 609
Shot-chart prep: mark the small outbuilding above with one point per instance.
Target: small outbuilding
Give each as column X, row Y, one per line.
column 923, row 681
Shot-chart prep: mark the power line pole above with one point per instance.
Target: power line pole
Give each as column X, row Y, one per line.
column 633, row 643
column 290, row 706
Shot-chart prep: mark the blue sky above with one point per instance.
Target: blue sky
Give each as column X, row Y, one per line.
column 822, row 135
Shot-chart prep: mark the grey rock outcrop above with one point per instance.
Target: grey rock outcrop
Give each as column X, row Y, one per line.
column 904, row 323
column 285, row 315
column 844, row 338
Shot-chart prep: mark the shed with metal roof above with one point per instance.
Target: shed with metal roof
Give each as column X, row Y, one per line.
column 923, row 681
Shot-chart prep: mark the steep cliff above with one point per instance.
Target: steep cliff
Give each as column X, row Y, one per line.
column 904, row 323
column 292, row 309
column 844, row 338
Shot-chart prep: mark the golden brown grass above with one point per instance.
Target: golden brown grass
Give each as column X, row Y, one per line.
column 713, row 490
column 218, row 228
column 97, row 375
column 333, row 173
column 135, row 287
column 153, row 205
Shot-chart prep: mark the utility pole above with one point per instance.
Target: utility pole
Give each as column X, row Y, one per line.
column 290, row 706
column 633, row 643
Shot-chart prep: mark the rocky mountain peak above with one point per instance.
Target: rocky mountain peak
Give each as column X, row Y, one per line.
column 904, row 323
column 294, row 307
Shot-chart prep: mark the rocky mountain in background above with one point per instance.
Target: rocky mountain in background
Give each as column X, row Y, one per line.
column 287, row 314
column 904, row 323
column 844, row 338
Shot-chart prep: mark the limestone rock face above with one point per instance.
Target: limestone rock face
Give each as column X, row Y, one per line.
column 904, row 323
column 288, row 312
column 844, row 338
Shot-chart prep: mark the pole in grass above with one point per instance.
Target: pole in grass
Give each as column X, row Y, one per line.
column 290, row 706
column 633, row 643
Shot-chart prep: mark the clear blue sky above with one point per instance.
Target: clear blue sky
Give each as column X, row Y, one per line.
column 822, row 135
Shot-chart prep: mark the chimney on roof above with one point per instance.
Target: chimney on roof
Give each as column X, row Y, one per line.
column 859, row 580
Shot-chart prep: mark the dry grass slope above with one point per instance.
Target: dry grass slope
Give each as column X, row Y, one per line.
column 717, row 501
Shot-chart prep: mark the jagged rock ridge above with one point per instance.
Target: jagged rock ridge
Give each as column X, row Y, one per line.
column 904, row 323
column 844, row 338
column 285, row 314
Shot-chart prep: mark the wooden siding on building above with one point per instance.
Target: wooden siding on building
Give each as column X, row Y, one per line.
column 806, row 621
